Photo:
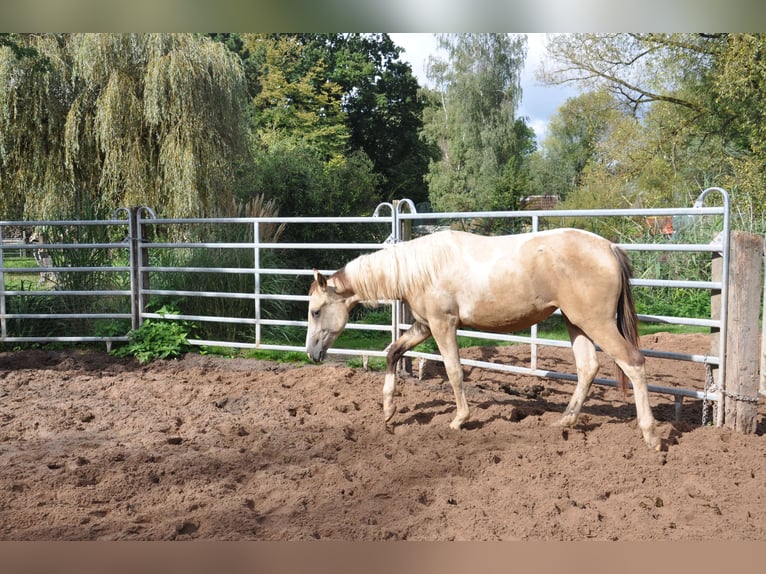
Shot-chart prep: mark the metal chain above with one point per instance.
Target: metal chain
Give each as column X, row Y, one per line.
column 709, row 386
column 738, row 397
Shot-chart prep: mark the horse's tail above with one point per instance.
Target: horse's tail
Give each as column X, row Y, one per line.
column 627, row 319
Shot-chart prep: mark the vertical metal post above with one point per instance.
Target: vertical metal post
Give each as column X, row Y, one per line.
column 392, row 238
column 257, row 278
column 396, row 306
column 135, row 291
column 403, row 230
column 3, row 325
column 139, row 258
column 533, row 329
column 723, row 332
column 762, row 382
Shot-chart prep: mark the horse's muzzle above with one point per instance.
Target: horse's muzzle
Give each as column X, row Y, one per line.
column 316, row 354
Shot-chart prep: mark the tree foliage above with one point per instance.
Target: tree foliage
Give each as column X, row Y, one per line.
column 118, row 119
column 385, row 114
column 695, row 103
column 341, row 95
column 295, row 96
column 739, row 88
column 473, row 123
column 573, row 141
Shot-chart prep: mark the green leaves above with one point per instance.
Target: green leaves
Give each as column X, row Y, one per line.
column 690, row 116
column 116, row 120
column 473, row 123
column 157, row 339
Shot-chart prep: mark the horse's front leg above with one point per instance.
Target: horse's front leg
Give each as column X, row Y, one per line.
column 416, row 334
column 445, row 334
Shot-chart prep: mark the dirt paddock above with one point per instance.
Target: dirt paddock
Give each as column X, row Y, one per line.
column 96, row 447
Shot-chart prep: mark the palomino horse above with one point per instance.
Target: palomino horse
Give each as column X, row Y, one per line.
column 453, row 279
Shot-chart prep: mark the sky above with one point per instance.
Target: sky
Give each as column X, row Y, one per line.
column 538, row 102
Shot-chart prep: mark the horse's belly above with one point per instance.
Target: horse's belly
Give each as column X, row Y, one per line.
column 495, row 317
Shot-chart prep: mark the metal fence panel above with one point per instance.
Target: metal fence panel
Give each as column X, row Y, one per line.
column 142, row 258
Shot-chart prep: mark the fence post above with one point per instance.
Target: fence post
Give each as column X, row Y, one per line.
column 403, row 314
column 3, row 325
column 740, row 385
column 257, row 279
column 762, row 386
column 139, row 257
column 135, row 305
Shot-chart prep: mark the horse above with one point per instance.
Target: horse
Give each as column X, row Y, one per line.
column 452, row 279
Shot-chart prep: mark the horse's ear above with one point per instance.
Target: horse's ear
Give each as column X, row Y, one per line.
column 320, row 279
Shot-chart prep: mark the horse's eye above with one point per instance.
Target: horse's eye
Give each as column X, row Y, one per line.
column 315, row 313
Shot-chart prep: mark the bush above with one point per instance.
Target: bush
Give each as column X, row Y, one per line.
column 157, row 339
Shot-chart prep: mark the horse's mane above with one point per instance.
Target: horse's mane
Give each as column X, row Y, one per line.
column 395, row 272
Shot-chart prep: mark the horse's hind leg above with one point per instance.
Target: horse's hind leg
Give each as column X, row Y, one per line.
column 636, row 372
column 629, row 358
column 414, row 335
column 587, row 365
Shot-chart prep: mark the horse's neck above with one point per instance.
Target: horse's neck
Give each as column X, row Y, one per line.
column 369, row 277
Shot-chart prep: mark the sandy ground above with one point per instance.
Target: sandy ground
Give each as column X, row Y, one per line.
column 96, row 447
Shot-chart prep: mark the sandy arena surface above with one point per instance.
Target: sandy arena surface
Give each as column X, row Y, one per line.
column 96, row 447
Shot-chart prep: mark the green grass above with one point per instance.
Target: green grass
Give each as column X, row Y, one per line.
column 27, row 281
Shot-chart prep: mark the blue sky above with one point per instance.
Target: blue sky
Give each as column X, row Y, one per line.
column 538, row 103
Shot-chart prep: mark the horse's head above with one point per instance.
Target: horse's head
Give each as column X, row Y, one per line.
column 328, row 315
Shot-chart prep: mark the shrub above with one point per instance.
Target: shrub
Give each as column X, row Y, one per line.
column 157, row 339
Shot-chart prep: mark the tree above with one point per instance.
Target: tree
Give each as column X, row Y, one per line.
column 697, row 102
column 639, row 69
column 482, row 143
column 295, row 96
column 316, row 76
column 118, row 119
column 384, row 113
column 574, row 134
column 740, row 98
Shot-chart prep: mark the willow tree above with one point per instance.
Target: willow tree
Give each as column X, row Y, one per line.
column 114, row 120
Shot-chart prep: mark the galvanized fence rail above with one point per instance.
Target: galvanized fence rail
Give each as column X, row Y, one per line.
column 39, row 290
column 144, row 255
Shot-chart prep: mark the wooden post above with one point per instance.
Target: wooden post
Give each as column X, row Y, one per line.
column 740, row 402
column 762, row 387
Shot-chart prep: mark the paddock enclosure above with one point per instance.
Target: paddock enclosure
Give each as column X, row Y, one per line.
column 93, row 446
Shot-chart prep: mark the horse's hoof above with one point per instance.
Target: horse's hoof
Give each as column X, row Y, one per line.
column 653, row 442
column 651, row 438
column 566, row 421
column 456, row 424
column 388, row 413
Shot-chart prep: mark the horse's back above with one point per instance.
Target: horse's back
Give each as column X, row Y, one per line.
column 526, row 252
column 510, row 282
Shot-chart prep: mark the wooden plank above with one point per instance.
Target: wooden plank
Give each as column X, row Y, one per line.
column 715, row 332
column 762, row 387
column 742, row 342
